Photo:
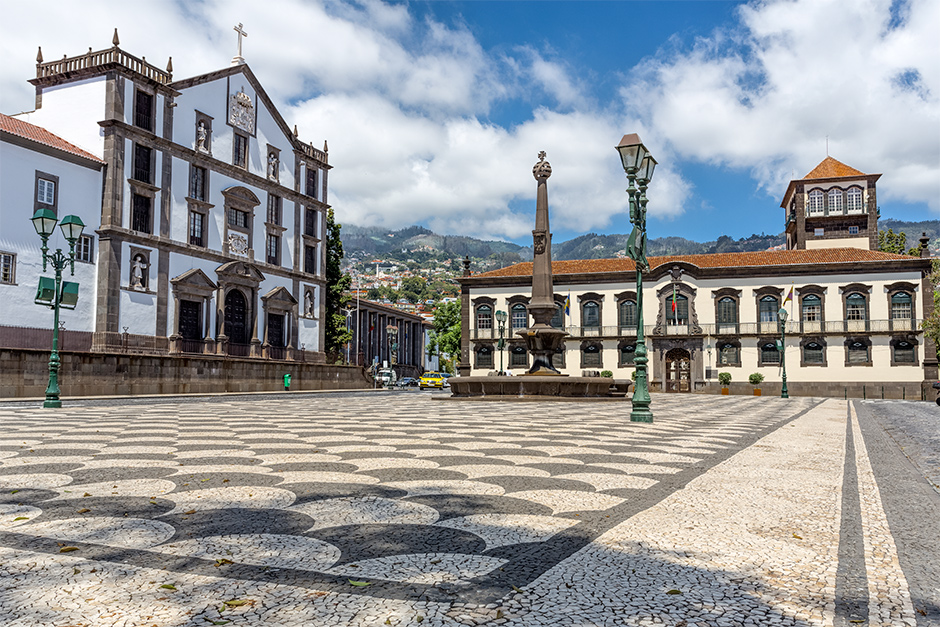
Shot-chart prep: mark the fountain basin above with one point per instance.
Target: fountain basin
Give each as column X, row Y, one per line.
column 536, row 385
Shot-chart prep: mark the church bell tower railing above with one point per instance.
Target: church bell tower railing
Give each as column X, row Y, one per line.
column 100, row 58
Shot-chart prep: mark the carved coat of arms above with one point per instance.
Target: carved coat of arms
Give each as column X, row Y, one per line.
column 241, row 112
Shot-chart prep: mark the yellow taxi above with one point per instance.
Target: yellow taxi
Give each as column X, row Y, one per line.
column 432, row 380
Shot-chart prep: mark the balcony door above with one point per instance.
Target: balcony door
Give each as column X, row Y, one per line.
column 678, row 370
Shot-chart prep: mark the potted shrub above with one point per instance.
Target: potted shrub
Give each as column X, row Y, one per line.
column 724, row 378
column 755, row 379
column 608, row 374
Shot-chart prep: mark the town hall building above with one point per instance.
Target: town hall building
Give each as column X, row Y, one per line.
column 855, row 313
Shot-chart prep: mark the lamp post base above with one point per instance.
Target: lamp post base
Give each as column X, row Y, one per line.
column 641, row 414
column 52, row 404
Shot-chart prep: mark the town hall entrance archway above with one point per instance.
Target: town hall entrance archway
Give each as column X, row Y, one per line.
column 236, row 317
column 678, row 370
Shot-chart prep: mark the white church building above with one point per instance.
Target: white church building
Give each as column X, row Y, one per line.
column 204, row 211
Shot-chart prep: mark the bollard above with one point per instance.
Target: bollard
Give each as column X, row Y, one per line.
column 286, row 382
column 864, row 393
column 882, row 392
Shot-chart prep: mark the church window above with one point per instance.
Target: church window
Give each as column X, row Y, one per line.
column 143, row 163
column 520, row 317
column 197, row 183
column 814, row 353
column 312, row 181
column 835, row 201
column 627, row 314
column 310, row 222
column 769, row 354
column 855, row 307
column 853, row 230
column 196, row 224
column 140, row 213
column 854, row 197
column 240, row 151
column 310, row 259
column 816, row 202
column 812, row 308
column 237, row 217
column 591, row 315
column 274, row 209
column 273, row 249
column 8, row 268
column 484, row 317
column 85, row 249
column 902, row 306
column 143, row 110
column 518, row 356
column 768, row 307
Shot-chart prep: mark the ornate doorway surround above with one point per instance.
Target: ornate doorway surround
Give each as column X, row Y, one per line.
column 678, row 370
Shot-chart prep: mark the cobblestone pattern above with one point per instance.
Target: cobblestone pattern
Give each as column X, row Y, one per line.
column 889, row 602
column 453, row 514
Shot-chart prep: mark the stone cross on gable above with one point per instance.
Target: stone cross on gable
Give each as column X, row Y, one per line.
column 238, row 59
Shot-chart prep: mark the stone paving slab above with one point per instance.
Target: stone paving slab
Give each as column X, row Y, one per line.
column 725, row 511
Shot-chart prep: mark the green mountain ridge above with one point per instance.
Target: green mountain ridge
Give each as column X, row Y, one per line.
column 360, row 242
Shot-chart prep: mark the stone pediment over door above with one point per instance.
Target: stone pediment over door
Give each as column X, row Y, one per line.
column 240, row 272
column 194, row 280
column 279, row 299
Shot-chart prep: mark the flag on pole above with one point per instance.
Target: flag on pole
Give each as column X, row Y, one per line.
column 789, row 297
column 675, row 310
column 568, row 304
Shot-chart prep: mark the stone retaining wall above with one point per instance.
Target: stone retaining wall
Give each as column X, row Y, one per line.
column 912, row 391
column 25, row 373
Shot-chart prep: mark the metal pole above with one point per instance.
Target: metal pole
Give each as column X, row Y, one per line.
column 502, row 331
column 641, row 395
column 784, row 393
column 52, row 390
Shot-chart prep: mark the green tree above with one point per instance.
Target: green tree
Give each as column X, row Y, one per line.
column 445, row 337
column 931, row 323
column 891, row 242
column 337, row 286
column 414, row 289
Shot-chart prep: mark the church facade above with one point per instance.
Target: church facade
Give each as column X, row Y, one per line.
column 854, row 313
column 205, row 213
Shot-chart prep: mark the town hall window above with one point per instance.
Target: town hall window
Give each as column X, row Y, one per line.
column 484, row 317
column 627, row 354
column 812, row 308
column 727, row 311
column 769, row 305
column 591, row 356
column 856, row 352
column 855, row 307
column 484, row 357
column 518, row 356
column 835, row 201
column 677, row 312
column 769, row 353
column 816, row 202
column 558, row 319
column 591, row 315
column 729, row 354
column 901, row 306
column 854, row 197
column 627, row 314
column 903, row 352
column 520, row 317
column 814, row 353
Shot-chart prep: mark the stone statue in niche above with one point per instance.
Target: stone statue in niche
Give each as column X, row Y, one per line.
column 308, row 304
column 273, row 163
column 202, row 135
column 138, row 280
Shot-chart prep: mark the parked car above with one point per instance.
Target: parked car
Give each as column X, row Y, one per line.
column 432, row 380
column 407, row 382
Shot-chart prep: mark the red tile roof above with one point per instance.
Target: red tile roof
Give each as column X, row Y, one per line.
column 18, row 127
column 830, row 168
column 716, row 260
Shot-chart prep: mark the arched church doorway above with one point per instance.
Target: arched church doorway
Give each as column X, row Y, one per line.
column 678, row 370
column 236, row 317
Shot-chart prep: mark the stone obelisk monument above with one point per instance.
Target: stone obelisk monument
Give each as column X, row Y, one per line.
column 541, row 338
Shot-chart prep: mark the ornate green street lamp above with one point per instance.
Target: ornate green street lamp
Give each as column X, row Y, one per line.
column 44, row 221
column 501, row 321
column 782, row 321
column 639, row 166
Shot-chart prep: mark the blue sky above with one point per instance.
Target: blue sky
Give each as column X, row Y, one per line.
column 435, row 111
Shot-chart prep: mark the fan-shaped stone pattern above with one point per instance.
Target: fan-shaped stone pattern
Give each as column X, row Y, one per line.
column 504, row 529
column 367, row 510
column 14, row 515
column 130, row 533
column 421, row 568
column 362, row 542
column 259, row 549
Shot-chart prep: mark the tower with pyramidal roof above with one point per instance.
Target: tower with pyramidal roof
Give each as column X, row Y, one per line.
column 834, row 206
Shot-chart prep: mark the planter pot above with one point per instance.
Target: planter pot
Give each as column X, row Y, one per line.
column 756, row 391
column 725, row 391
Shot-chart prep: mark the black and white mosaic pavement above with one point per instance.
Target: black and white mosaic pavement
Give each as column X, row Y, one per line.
column 422, row 499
